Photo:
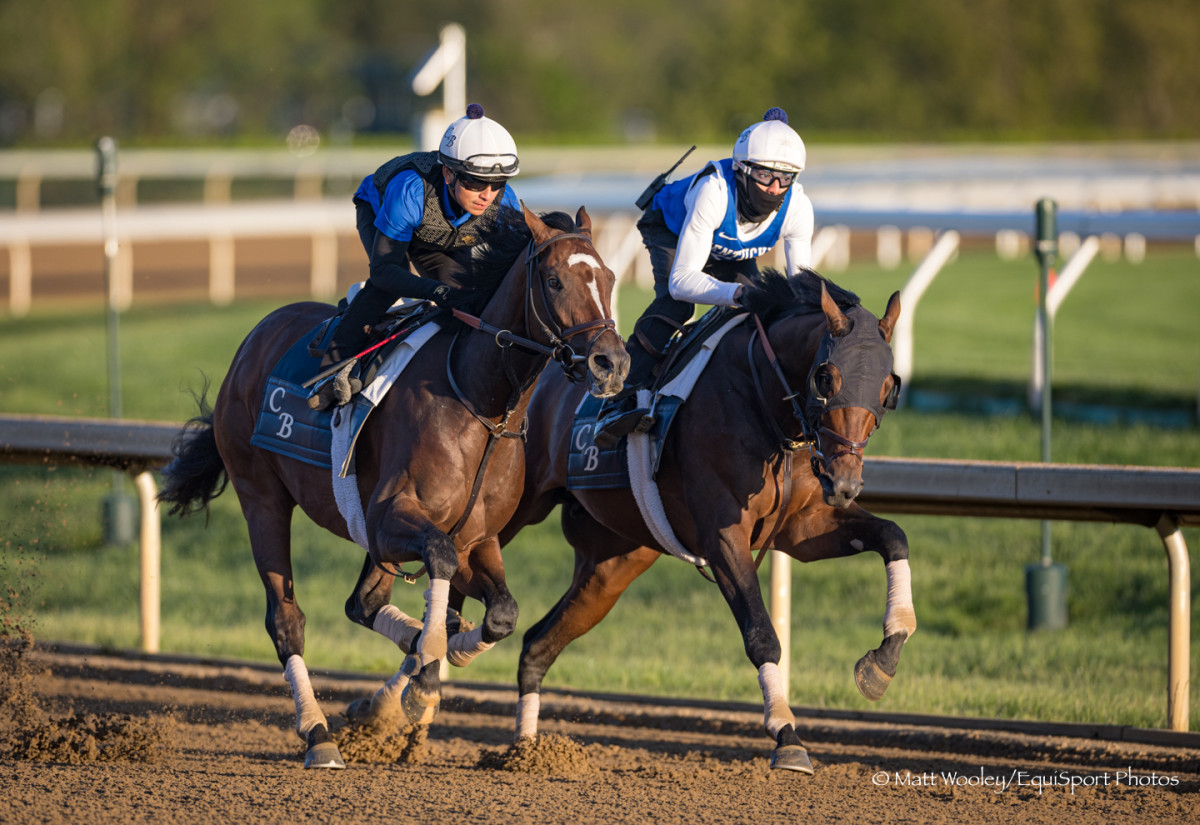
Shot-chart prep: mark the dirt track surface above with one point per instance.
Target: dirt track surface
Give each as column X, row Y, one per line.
column 190, row 742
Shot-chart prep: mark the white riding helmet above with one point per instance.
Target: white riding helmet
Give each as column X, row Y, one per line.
column 771, row 143
column 479, row 146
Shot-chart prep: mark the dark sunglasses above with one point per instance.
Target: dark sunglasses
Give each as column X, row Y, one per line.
column 762, row 175
column 474, row 184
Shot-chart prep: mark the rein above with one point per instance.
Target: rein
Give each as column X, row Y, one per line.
column 560, row 351
column 812, row 432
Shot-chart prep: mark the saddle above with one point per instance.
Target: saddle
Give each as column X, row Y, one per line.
column 590, row 467
column 286, row 424
column 401, row 321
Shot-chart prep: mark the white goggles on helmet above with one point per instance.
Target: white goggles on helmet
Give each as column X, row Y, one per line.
column 484, row 166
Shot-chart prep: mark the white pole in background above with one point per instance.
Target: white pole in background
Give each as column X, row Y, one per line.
column 446, row 65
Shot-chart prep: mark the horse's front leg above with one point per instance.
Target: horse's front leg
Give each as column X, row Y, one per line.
column 481, row 576
column 875, row 670
column 738, row 580
column 398, row 537
column 837, row 533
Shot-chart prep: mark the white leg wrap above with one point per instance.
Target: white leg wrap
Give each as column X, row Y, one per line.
column 899, row 614
column 527, row 716
column 777, row 715
column 308, row 712
column 387, row 699
column 392, row 623
column 463, row 647
column 432, row 644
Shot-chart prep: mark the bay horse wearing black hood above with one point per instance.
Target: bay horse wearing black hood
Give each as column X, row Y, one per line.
column 810, row 371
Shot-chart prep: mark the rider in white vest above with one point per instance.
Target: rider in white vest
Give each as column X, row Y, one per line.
column 705, row 234
column 422, row 211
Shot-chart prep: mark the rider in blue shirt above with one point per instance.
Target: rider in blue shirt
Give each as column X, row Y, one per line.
column 422, row 211
column 705, row 234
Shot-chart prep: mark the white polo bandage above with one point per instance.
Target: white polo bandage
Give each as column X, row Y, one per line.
column 527, row 716
column 308, row 712
column 776, row 713
column 899, row 615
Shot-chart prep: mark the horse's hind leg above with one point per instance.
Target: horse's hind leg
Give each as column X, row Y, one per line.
column 370, row 606
column 269, row 523
column 605, row 565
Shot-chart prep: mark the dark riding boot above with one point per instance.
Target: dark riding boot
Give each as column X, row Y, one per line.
column 620, row 415
column 349, row 339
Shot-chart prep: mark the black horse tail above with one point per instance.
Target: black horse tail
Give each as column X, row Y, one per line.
column 197, row 474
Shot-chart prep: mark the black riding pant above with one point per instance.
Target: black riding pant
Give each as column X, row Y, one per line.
column 662, row 243
column 382, row 290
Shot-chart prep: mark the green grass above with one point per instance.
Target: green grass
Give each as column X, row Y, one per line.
column 671, row 633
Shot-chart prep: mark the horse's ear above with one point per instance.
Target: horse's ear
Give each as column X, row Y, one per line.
column 536, row 225
column 583, row 222
column 839, row 324
column 887, row 324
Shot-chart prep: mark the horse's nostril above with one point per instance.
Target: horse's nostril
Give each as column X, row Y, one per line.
column 601, row 362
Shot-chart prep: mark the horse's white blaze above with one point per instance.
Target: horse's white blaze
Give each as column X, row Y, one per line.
column 593, row 264
column 899, row 614
column 583, row 258
column 776, row 713
column 527, row 716
column 308, row 712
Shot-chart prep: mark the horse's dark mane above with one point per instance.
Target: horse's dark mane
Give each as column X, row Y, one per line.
column 494, row 256
column 771, row 293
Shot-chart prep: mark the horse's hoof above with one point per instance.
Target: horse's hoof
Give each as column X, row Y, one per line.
column 325, row 755
column 791, row 758
column 417, row 708
column 363, row 712
column 456, row 623
column 358, row 711
column 872, row 680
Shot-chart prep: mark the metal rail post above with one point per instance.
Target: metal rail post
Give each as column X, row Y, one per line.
column 1179, row 600
column 118, row 506
column 1046, row 582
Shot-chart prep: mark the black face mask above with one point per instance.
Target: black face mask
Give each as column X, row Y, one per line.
column 863, row 358
column 753, row 202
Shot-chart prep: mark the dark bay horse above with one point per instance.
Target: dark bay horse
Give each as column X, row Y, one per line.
column 814, row 366
column 439, row 462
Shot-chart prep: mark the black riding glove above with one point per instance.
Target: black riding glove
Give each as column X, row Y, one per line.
column 442, row 295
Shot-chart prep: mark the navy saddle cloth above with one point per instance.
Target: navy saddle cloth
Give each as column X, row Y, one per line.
column 592, row 468
column 285, row 424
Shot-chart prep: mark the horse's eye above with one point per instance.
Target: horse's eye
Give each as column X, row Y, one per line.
column 554, row 282
column 823, row 382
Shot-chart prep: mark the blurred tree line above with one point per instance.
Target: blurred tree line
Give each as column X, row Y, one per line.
column 248, row 71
